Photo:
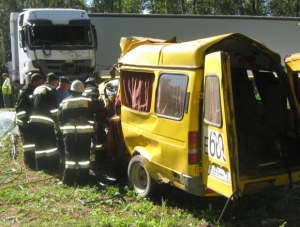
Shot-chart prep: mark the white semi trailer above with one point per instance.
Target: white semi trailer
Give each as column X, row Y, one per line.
column 278, row 33
column 62, row 41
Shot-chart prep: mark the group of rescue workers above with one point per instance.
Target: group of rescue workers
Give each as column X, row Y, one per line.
column 44, row 121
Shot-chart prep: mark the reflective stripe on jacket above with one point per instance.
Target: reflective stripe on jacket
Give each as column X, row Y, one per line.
column 48, row 153
column 76, row 102
column 19, row 122
column 29, row 147
column 41, row 119
column 68, row 128
column 21, row 115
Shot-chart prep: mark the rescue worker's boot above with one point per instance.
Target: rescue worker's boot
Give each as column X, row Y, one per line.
column 100, row 153
column 54, row 162
column 83, row 176
column 41, row 162
column 29, row 159
column 69, row 176
column 61, row 147
column 100, row 157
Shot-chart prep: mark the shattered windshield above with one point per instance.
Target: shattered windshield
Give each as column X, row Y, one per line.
column 60, row 35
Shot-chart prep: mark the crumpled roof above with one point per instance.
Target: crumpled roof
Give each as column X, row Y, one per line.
column 293, row 61
column 129, row 43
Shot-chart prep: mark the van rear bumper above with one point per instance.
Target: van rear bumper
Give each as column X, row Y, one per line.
column 194, row 185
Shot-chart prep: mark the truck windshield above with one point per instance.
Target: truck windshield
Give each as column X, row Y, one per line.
column 60, row 35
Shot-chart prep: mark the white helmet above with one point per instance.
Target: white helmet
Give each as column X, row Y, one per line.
column 77, row 86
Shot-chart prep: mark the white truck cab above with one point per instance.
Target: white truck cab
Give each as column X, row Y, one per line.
column 62, row 41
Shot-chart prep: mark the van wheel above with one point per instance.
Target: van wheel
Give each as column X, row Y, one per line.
column 140, row 179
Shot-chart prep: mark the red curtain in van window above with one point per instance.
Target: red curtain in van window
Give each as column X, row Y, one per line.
column 137, row 88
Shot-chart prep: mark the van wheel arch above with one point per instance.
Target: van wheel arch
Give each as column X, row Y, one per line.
column 140, row 179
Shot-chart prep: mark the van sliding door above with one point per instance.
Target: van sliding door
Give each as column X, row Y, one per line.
column 219, row 159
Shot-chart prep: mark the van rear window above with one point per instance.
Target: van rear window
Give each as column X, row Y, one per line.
column 212, row 105
column 170, row 95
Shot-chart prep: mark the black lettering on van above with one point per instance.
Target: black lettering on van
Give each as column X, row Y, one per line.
column 220, row 149
column 206, row 145
column 212, row 144
column 216, row 146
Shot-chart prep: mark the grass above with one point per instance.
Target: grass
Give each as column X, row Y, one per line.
column 30, row 198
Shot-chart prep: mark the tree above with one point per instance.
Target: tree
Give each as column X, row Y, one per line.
column 287, row 8
column 166, row 7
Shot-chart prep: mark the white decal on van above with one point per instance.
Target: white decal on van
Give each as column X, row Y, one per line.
column 219, row 172
column 214, row 144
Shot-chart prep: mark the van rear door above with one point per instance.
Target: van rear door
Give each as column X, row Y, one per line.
column 219, row 151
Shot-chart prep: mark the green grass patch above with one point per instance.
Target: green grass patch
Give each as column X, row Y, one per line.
column 30, row 198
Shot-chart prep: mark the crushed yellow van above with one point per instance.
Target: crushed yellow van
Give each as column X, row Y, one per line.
column 214, row 116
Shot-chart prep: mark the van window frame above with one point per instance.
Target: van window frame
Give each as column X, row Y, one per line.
column 217, row 98
column 183, row 98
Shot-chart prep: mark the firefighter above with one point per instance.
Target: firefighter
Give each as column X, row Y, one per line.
column 91, row 88
column 23, row 110
column 73, row 115
column 98, row 119
column 43, row 123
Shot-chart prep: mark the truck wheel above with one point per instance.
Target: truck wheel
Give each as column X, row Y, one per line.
column 140, row 180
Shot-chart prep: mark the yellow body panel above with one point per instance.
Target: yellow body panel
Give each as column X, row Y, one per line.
column 153, row 133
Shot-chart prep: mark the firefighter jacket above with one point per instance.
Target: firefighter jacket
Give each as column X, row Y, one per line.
column 77, row 110
column 24, row 105
column 77, row 132
column 45, row 104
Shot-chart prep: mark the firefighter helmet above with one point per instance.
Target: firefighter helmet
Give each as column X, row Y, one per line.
column 77, row 86
column 91, row 81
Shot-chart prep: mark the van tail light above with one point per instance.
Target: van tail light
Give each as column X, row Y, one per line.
column 209, row 191
column 193, row 154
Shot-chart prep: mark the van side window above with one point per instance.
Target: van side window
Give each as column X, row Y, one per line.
column 170, row 96
column 212, row 107
column 137, row 87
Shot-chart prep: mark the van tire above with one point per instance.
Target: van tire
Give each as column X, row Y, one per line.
column 140, row 179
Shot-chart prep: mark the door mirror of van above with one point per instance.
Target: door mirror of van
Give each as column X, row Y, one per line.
column 114, row 72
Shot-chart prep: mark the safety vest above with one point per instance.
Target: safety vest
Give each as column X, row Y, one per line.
column 6, row 84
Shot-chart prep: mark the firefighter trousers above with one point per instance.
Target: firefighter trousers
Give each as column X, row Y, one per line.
column 46, row 154
column 77, row 156
column 100, row 147
column 28, row 146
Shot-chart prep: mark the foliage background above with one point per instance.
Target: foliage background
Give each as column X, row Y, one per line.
column 284, row 8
